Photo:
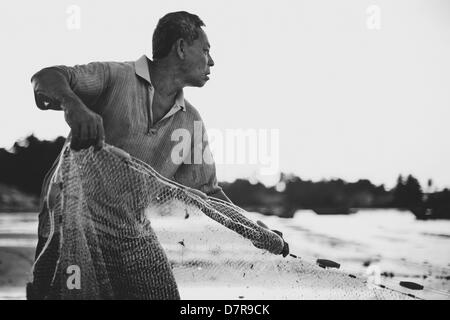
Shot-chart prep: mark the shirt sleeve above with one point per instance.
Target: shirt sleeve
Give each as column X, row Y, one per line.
column 87, row 81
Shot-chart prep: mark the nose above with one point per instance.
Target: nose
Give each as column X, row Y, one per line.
column 210, row 61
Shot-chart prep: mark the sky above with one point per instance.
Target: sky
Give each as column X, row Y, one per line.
column 350, row 89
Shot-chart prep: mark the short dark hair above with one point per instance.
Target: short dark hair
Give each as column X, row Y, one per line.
column 173, row 26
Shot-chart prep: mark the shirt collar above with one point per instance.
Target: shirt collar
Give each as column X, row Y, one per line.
column 179, row 100
column 141, row 66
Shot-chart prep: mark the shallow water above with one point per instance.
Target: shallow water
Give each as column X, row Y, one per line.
column 391, row 241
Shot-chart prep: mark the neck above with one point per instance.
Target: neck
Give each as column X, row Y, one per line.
column 165, row 78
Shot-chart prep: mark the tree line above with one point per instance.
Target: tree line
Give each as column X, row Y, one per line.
column 24, row 166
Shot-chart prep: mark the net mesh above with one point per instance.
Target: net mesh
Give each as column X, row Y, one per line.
column 119, row 230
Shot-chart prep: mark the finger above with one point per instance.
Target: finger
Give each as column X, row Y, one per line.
column 84, row 136
column 84, row 132
column 91, row 132
column 285, row 250
column 75, row 141
column 262, row 224
column 100, row 139
column 84, row 144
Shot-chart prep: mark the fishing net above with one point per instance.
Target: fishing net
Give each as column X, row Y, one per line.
column 119, row 230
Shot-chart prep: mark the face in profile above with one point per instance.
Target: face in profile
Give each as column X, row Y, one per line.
column 197, row 62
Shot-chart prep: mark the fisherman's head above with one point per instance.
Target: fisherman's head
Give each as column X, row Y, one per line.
column 179, row 37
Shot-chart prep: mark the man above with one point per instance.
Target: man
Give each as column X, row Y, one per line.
column 137, row 105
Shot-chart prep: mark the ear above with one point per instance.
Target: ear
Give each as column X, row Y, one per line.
column 180, row 47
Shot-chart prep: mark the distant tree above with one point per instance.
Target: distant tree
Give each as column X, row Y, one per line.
column 25, row 165
column 243, row 193
column 414, row 193
column 408, row 193
column 400, row 193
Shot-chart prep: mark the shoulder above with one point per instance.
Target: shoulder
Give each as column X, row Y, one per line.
column 100, row 69
column 191, row 111
column 120, row 68
column 117, row 73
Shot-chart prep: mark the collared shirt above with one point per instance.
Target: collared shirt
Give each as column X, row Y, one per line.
column 122, row 93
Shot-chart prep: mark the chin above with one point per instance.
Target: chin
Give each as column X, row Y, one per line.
column 198, row 84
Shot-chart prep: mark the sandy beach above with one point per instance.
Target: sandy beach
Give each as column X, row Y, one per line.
column 211, row 262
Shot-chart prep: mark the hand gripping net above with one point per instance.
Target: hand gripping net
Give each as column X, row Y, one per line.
column 119, row 230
